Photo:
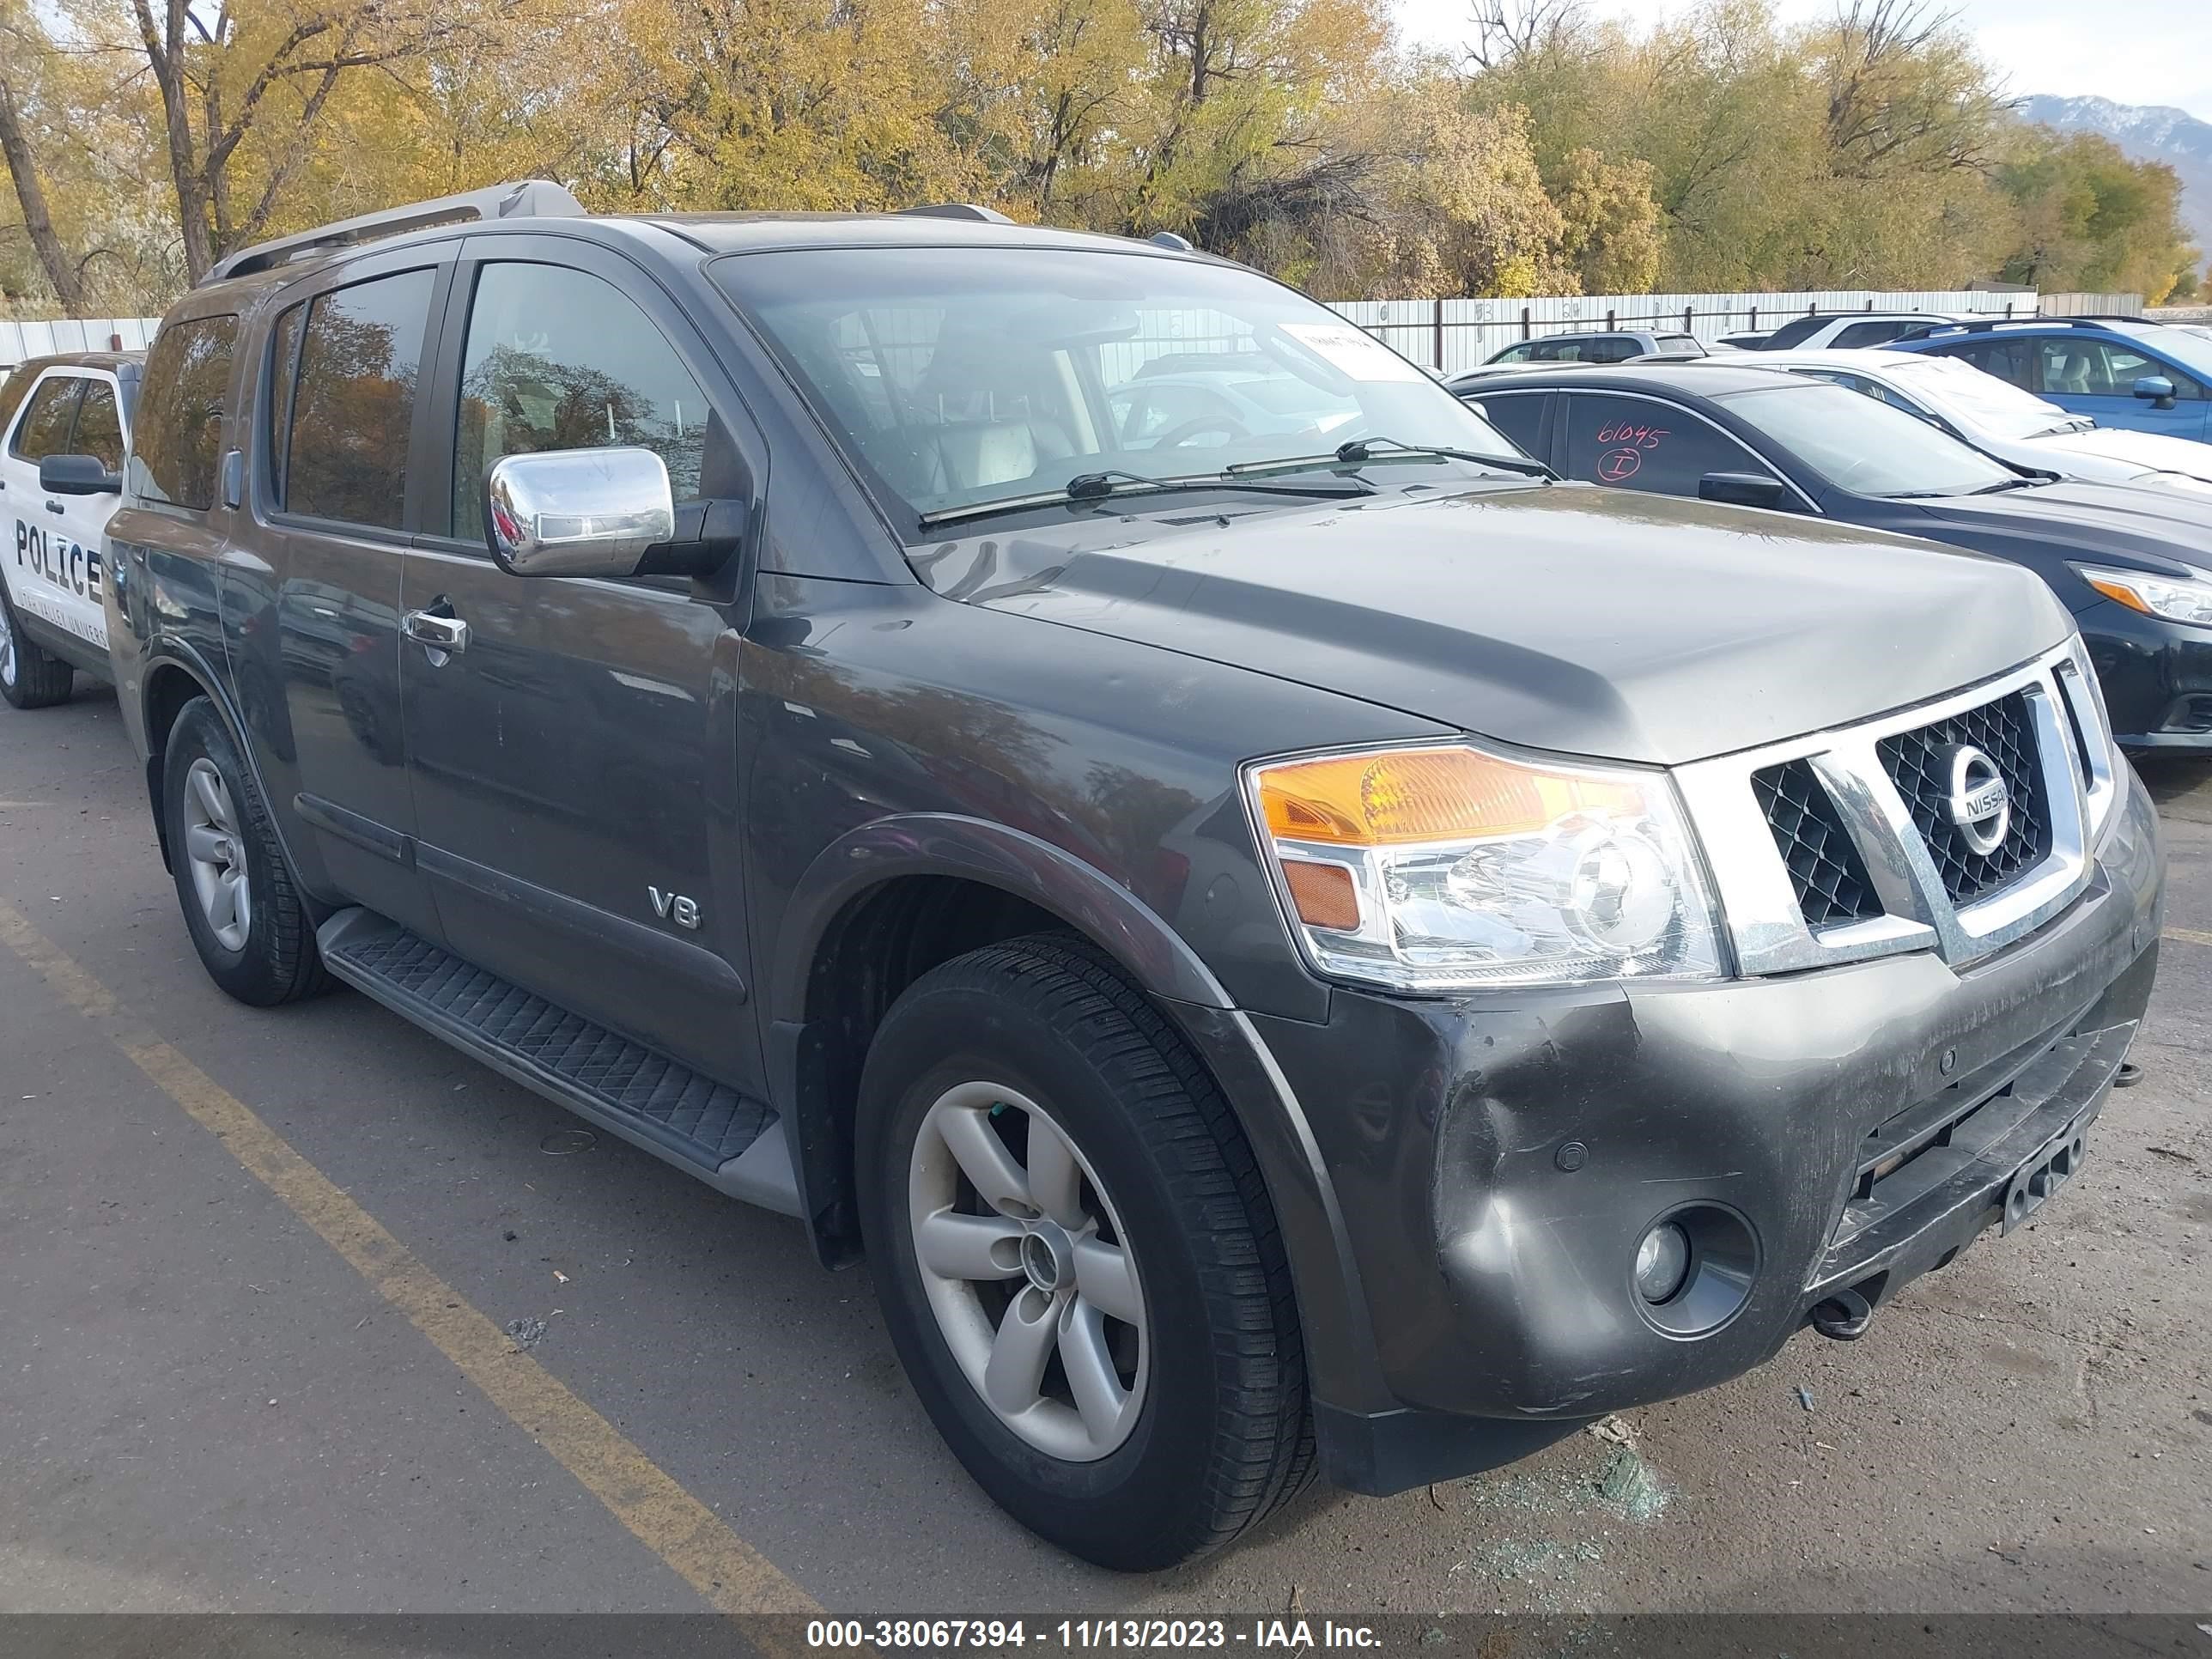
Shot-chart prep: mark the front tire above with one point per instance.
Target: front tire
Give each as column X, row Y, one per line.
column 1077, row 1260
column 29, row 678
column 254, row 936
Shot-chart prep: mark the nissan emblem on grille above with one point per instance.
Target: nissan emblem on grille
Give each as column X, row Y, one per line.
column 1978, row 803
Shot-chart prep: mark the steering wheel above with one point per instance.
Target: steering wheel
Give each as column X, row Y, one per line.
column 1175, row 437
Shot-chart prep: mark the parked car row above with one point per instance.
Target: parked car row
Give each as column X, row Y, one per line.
column 1297, row 940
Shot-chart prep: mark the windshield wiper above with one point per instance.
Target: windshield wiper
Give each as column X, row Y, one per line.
column 1086, row 487
column 2003, row 484
column 1360, row 451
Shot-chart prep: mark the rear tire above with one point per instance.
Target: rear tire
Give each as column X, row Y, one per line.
column 1171, row 1414
column 254, row 936
column 29, row 678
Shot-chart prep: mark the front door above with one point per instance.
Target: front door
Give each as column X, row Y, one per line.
column 2085, row 375
column 54, row 571
column 573, row 752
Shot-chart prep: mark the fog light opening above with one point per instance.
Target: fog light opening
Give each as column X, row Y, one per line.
column 1663, row 1262
column 1693, row 1269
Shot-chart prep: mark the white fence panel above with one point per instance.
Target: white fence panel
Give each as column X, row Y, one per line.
column 21, row 342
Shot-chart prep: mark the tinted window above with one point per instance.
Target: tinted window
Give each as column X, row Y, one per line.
column 354, row 409
column 177, row 426
column 1870, row 334
column 45, row 427
column 1648, row 446
column 1519, row 417
column 559, row 359
column 284, row 381
column 99, row 426
column 1797, row 329
column 13, row 388
column 2011, row 361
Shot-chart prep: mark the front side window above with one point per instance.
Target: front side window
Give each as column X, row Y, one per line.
column 960, row 377
column 177, row 425
column 1870, row 334
column 353, row 409
column 1864, row 447
column 2098, row 368
column 1635, row 444
column 560, row 359
column 99, row 426
column 44, row 427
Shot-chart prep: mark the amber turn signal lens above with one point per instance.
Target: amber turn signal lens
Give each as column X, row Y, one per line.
column 1323, row 894
column 1402, row 795
column 2120, row 591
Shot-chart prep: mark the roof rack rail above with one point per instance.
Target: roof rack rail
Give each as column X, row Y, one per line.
column 957, row 211
column 528, row 197
column 2119, row 317
column 1983, row 325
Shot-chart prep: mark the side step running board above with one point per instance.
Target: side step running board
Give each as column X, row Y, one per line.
column 703, row 1128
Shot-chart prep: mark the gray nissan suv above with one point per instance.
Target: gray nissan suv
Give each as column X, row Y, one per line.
column 1293, row 949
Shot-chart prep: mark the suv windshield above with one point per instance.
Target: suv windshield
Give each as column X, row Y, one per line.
column 1866, row 447
column 955, row 377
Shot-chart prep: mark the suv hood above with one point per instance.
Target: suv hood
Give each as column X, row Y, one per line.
column 1560, row 617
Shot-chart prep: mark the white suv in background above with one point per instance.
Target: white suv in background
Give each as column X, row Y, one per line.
column 75, row 410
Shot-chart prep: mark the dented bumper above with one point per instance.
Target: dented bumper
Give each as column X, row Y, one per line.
column 1497, row 1160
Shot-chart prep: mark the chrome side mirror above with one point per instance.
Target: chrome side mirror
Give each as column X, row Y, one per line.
column 577, row 512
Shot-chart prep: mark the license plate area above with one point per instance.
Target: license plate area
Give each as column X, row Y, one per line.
column 2051, row 1168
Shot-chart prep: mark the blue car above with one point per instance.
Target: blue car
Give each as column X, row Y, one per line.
column 2122, row 371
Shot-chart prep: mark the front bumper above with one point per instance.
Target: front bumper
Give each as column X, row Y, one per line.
column 1494, row 1161
column 2156, row 676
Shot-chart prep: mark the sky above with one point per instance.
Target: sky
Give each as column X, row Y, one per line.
column 2070, row 47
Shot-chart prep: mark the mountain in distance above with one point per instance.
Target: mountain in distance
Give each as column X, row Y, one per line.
column 2145, row 133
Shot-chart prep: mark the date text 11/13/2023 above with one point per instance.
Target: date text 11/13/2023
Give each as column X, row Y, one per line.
column 992, row 1634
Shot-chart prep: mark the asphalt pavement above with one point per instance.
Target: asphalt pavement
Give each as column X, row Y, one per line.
column 304, row 1312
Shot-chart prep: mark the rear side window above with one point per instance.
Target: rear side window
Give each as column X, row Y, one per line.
column 2011, row 361
column 45, row 425
column 12, row 390
column 560, row 359
column 1797, row 330
column 1870, row 334
column 353, row 410
column 99, row 426
column 1632, row 443
column 283, row 380
column 180, row 414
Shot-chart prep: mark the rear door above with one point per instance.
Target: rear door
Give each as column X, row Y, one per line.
column 1642, row 443
column 54, row 567
column 314, row 615
column 574, row 759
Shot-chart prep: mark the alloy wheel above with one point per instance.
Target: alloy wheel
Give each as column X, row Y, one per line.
column 6, row 647
column 216, row 856
column 1029, row 1271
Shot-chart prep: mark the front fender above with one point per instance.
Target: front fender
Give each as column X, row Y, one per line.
column 1015, row 862
column 1341, row 1364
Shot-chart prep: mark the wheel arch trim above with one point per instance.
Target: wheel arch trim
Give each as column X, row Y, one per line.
column 176, row 655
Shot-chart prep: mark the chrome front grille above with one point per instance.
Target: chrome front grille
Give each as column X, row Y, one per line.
column 2004, row 730
column 1825, row 868
column 1840, row 844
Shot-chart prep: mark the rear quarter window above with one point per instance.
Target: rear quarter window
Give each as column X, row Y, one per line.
column 178, row 446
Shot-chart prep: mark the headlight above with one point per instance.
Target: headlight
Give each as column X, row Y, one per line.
column 2177, row 598
column 1448, row 868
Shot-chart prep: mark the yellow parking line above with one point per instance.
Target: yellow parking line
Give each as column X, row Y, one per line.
column 2189, row 936
column 733, row 1576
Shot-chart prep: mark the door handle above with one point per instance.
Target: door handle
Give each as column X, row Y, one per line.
column 437, row 629
column 56, row 507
